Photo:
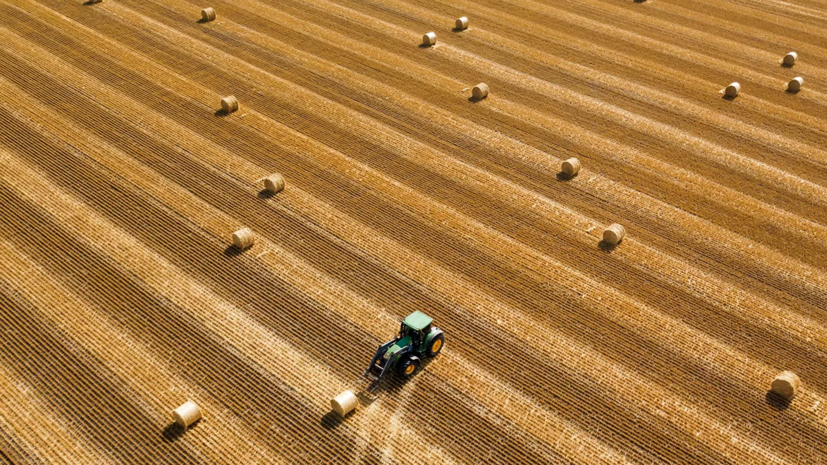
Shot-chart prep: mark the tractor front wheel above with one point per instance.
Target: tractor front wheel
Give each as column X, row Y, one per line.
column 435, row 345
column 408, row 366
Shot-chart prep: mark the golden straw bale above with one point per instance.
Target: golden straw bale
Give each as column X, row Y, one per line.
column 614, row 234
column 344, row 403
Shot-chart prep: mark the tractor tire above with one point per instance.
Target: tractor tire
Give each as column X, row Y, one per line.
column 408, row 366
column 435, row 345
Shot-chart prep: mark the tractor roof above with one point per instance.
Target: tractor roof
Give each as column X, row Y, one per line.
column 418, row 320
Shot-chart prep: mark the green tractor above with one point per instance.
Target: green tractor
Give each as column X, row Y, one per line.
column 417, row 340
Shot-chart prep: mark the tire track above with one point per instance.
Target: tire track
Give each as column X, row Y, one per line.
column 540, row 370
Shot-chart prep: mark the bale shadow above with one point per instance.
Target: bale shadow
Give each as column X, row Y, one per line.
column 640, row 1
column 426, row 46
column 606, row 247
column 173, row 432
column 90, row 2
column 561, row 176
column 265, row 194
column 458, row 29
column 221, row 113
column 784, row 65
column 776, row 401
column 791, row 91
column 728, row 98
column 331, row 420
column 232, row 251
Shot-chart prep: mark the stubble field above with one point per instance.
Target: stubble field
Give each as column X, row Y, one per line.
column 121, row 182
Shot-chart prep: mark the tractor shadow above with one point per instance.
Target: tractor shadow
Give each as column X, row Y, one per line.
column 777, row 402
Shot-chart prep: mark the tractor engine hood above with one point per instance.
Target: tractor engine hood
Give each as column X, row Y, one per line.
column 400, row 344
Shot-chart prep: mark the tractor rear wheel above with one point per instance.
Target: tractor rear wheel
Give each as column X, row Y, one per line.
column 408, row 366
column 435, row 345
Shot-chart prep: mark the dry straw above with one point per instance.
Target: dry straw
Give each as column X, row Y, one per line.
column 229, row 104
column 462, row 23
column 795, row 84
column 274, row 183
column 207, row 14
column 732, row 90
column 344, row 403
column 480, row 91
column 614, row 234
column 188, row 413
column 243, row 238
column 429, row 39
column 571, row 167
column 789, row 59
column 786, row 384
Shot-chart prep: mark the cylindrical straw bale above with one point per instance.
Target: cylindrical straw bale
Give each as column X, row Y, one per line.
column 429, row 39
column 732, row 89
column 614, row 234
column 274, row 183
column 243, row 238
column 789, row 59
column 188, row 413
column 462, row 23
column 795, row 84
column 229, row 104
column 571, row 167
column 480, row 91
column 786, row 384
column 344, row 403
column 207, row 14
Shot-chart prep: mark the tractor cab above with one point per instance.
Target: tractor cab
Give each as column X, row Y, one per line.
column 416, row 326
column 417, row 339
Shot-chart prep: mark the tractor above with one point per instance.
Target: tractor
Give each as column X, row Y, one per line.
column 417, row 339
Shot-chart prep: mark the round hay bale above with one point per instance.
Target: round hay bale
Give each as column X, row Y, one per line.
column 243, row 238
column 795, row 84
column 732, row 90
column 274, row 183
column 188, row 413
column 614, row 234
column 207, row 14
column 789, row 59
column 571, row 167
column 429, row 39
column 462, row 23
column 229, row 104
column 786, row 384
column 344, row 403
column 480, row 91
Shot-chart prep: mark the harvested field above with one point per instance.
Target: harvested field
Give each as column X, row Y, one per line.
column 122, row 181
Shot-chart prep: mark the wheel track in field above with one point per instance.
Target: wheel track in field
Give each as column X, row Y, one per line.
column 475, row 332
column 727, row 216
column 456, row 432
column 759, row 288
column 201, row 359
